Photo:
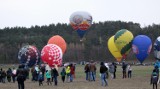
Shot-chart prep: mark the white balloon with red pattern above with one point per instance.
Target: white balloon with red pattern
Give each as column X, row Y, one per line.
column 52, row 54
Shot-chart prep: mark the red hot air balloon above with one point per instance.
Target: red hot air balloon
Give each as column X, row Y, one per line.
column 52, row 54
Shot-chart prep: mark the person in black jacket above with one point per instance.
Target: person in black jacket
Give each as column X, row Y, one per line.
column 115, row 68
column 55, row 75
column 20, row 79
column 9, row 74
column 124, row 68
column 103, row 70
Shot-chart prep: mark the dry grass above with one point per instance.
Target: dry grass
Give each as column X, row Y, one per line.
column 140, row 80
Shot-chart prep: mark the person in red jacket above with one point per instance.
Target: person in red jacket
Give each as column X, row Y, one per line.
column 72, row 72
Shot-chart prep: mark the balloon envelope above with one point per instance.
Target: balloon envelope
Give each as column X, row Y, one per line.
column 113, row 49
column 29, row 55
column 157, row 48
column 141, row 47
column 80, row 21
column 59, row 41
column 52, row 54
column 123, row 41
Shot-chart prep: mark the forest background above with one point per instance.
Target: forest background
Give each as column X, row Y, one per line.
column 93, row 47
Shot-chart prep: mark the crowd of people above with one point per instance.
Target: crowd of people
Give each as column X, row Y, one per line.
column 38, row 73
column 44, row 72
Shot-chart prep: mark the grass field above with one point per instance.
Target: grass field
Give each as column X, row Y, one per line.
column 139, row 80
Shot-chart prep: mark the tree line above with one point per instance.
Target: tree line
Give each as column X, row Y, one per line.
column 93, row 47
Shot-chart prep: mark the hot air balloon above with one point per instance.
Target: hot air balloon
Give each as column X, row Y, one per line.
column 113, row 49
column 157, row 48
column 141, row 47
column 29, row 55
column 59, row 41
column 80, row 21
column 52, row 54
column 123, row 41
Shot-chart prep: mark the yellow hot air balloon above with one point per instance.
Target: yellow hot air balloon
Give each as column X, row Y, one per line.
column 123, row 41
column 113, row 49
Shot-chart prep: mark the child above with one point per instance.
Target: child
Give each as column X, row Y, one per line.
column 48, row 76
column 40, row 78
column 63, row 74
column 154, row 78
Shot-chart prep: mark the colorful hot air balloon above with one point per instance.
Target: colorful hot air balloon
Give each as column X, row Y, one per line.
column 29, row 55
column 80, row 21
column 52, row 54
column 157, row 48
column 123, row 41
column 113, row 49
column 59, row 41
column 141, row 47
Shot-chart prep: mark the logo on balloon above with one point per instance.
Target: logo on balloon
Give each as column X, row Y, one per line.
column 77, row 19
column 135, row 49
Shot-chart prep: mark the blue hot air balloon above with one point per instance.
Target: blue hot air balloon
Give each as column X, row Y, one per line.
column 157, row 48
column 29, row 55
column 141, row 46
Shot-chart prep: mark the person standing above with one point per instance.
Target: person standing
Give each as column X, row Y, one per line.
column 63, row 74
column 157, row 71
column 115, row 69
column 55, row 75
column 68, row 70
column 48, row 76
column 20, row 79
column 87, row 71
column 111, row 70
column 1, row 75
column 9, row 74
column 71, row 72
column 40, row 78
column 154, row 79
column 14, row 75
column 129, row 71
column 103, row 70
column 92, row 71
column 124, row 67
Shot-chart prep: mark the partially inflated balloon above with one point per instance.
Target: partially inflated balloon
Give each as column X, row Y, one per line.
column 80, row 21
column 52, row 54
column 29, row 55
column 157, row 48
column 123, row 41
column 113, row 49
column 59, row 41
column 141, row 47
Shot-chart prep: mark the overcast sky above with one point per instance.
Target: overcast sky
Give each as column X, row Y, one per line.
column 44, row 12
